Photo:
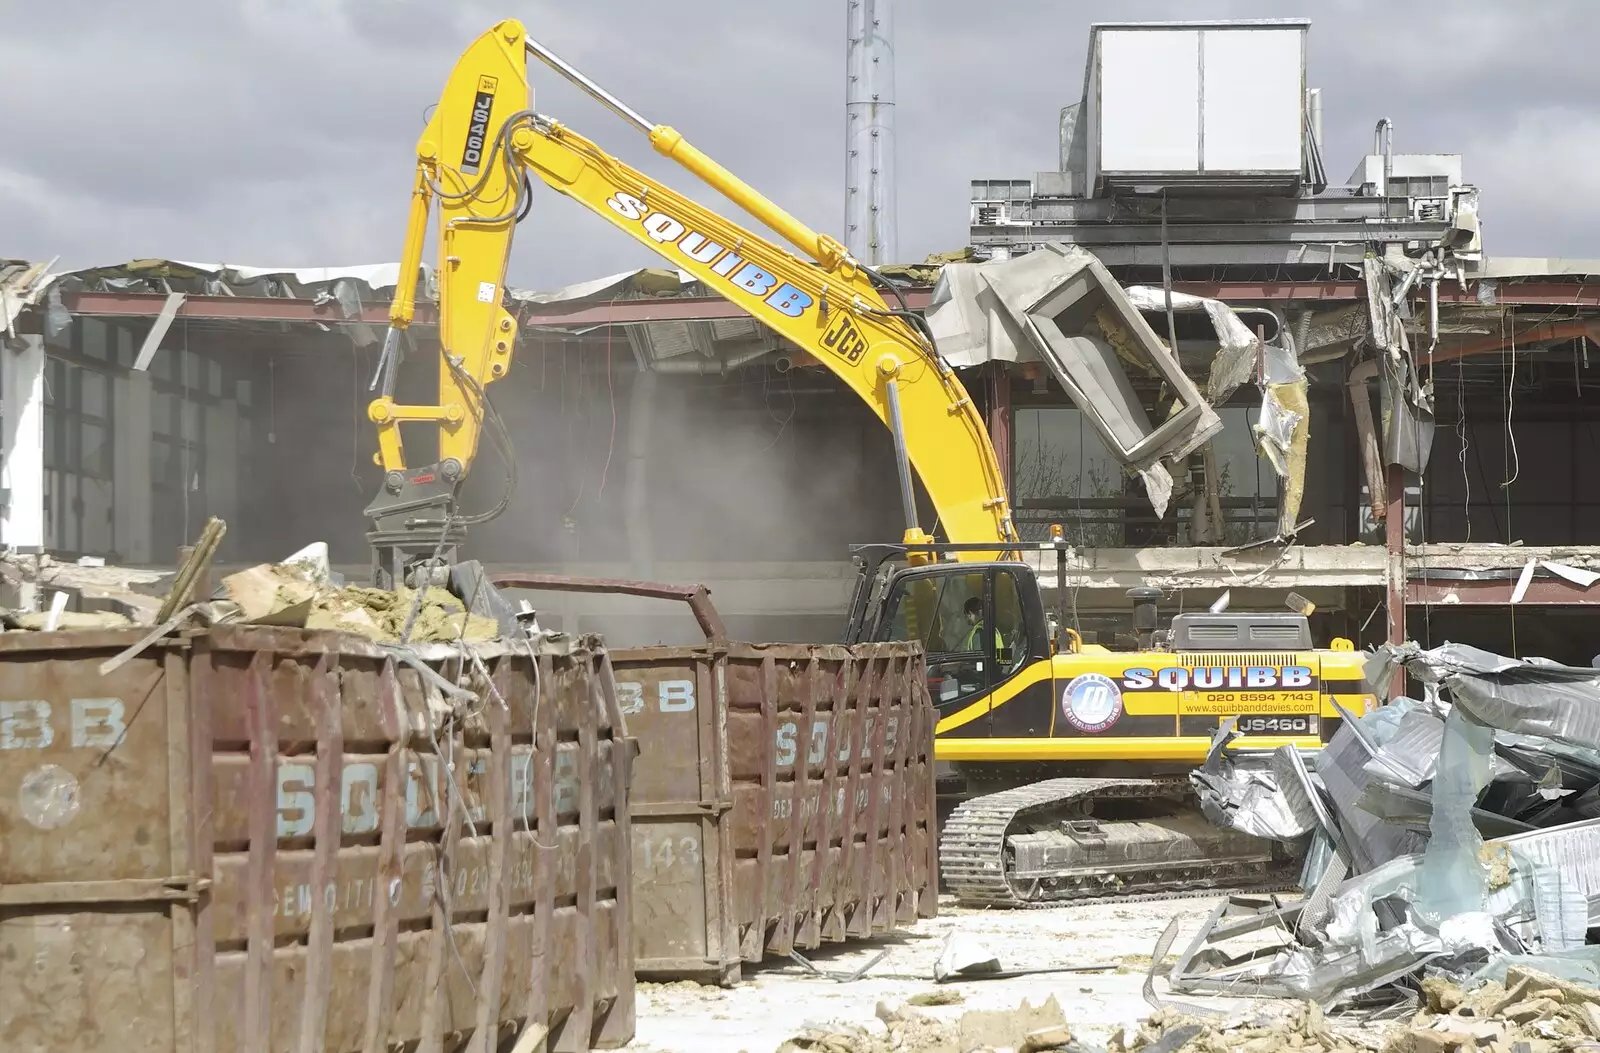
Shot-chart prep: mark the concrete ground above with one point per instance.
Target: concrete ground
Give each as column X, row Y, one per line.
column 778, row 999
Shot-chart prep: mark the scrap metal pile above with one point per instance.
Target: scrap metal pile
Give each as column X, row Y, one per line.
column 1454, row 836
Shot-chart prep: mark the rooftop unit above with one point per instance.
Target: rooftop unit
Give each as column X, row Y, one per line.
column 1189, row 106
column 1198, row 145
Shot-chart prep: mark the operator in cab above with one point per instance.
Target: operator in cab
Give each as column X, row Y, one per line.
column 973, row 642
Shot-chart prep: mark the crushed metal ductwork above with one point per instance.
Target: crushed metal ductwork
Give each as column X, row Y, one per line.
column 1059, row 304
column 1455, row 835
column 1235, row 359
column 1407, row 402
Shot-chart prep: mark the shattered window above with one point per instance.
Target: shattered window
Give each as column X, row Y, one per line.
column 945, row 612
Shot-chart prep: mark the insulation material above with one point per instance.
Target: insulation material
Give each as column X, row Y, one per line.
column 1285, row 438
column 1157, row 486
column 1386, row 329
column 1277, row 421
column 57, row 319
column 1407, row 405
column 1283, row 427
column 1231, row 332
column 21, row 285
column 1230, row 367
column 927, row 272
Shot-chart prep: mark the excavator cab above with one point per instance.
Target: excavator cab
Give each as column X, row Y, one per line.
column 981, row 625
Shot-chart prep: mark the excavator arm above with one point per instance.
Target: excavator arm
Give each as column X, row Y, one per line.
column 481, row 141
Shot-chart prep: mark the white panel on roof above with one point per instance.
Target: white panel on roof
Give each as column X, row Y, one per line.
column 1149, row 100
column 1253, row 100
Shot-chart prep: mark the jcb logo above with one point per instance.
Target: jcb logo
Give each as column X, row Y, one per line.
column 844, row 340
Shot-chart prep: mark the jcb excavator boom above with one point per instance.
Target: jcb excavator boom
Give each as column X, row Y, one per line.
column 473, row 159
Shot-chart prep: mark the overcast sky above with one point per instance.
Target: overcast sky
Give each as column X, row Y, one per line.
column 281, row 132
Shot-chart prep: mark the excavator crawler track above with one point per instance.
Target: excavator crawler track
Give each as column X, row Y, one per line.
column 984, row 839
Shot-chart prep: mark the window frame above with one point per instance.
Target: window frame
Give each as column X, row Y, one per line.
column 1032, row 642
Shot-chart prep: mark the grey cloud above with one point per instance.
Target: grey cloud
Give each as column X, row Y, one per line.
column 281, row 132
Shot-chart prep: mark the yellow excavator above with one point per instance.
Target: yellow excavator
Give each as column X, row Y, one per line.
column 1063, row 764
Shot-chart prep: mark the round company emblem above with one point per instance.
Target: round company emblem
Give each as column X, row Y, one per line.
column 1091, row 702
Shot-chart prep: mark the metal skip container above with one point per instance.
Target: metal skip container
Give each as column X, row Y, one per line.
column 783, row 796
column 261, row 839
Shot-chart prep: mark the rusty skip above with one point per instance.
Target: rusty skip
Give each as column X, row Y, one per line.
column 783, row 796
column 262, row 839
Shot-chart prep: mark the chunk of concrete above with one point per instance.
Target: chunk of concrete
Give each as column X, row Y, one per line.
column 1009, row 1027
column 1046, row 1038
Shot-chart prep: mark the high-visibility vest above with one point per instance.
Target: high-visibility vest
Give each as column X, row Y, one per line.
column 971, row 643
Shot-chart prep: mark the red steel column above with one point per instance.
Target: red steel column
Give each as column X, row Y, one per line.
column 1395, row 566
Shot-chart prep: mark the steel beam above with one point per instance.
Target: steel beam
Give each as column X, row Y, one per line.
column 1093, row 235
column 678, row 309
column 1237, row 211
column 707, row 308
column 232, row 308
column 1317, row 258
column 1395, row 567
column 1543, row 592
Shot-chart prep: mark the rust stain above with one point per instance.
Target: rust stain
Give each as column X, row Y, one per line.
column 824, row 745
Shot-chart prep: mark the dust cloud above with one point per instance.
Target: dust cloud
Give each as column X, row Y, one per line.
column 684, row 479
column 753, row 477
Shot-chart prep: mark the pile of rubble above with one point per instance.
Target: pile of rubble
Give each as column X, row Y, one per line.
column 302, row 594
column 97, row 596
column 1527, row 1012
column 1302, row 1027
column 40, row 593
column 1531, row 1012
column 1026, row 1029
column 1455, row 836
